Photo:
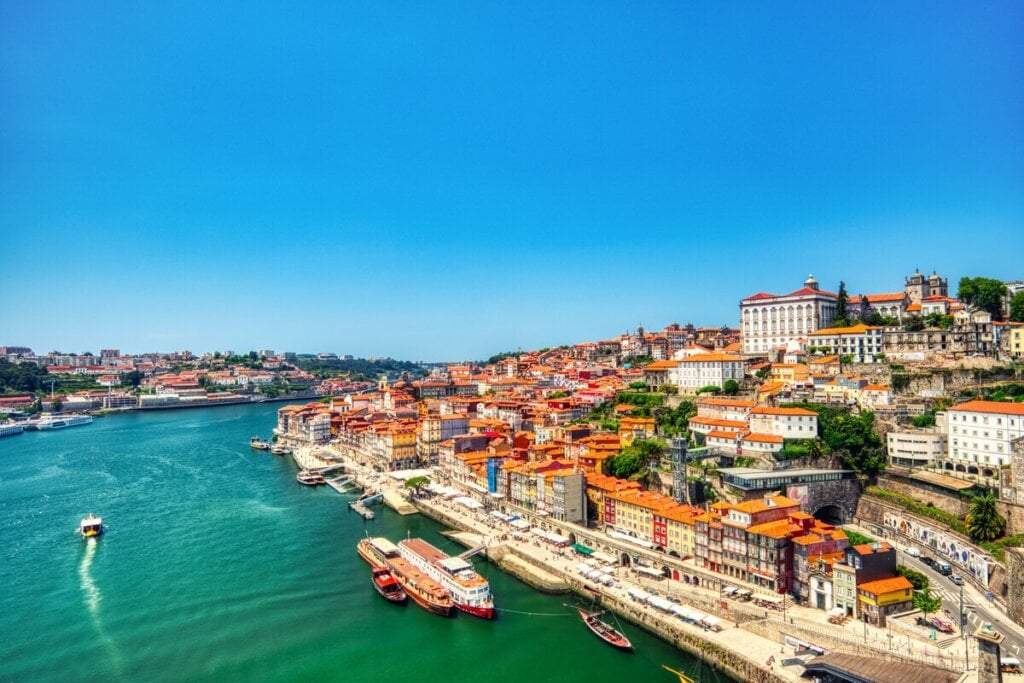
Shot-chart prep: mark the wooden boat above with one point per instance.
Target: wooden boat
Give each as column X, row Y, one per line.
column 387, row 586
column 605, row 631
column 259, row 444
column 278, row 449
column 377, row 551
column 91, row 526
column 423, row 590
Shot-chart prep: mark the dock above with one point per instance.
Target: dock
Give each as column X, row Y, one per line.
column 363, row 511
column 340, row 484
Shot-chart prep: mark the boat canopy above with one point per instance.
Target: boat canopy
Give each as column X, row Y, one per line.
column 520, row 524
column 582, row 549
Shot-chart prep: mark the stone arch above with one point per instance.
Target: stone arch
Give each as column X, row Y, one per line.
column 949, row 466
column 831, row 513
column 959, row 468
column 666, row 571
column 972, row 469
column 572, row 538
column 626, row 560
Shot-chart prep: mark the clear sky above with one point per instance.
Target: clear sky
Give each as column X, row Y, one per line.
column 440, row 181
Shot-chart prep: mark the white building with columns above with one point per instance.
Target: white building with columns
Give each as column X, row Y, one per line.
column 768, row 321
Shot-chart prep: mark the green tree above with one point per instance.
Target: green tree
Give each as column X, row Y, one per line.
column 842, row 318
column 131, row 379
column 57, row 404
column 926, row 602
column 983, row 292
column 1017, row 307
column 634, row 460
column 709, row 389
column 924, row 420
column 983, row 522
column 638, row 386
column 939, row 320
column 417, row 484
column 918, row 580
column 913, row 323
column 731, row 387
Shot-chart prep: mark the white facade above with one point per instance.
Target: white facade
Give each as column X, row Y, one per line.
column 980, row 433
column 863, row 342
column 789, row 423
column 916, row 448
column 768, row 321
column 707, row 369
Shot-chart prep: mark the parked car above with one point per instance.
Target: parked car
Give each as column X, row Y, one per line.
column 957, row 579
column 928, row 561
column 944, row 568
column 913, row 552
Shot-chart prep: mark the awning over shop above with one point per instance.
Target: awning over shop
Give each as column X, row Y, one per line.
column 630, row 539
column 582, row 549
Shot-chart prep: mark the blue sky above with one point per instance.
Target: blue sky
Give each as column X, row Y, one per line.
column 448, row 180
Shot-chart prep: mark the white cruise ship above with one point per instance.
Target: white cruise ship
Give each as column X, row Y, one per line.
column 470, row 592
column 11, row 428
column 48, row 422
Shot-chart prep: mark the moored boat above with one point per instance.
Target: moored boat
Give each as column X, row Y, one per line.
column 605, row 631
column 259, row 444
column 278, row 449
column 469, row 591
column 50, row 422
column 91, row 526
column 310, row 478
column 386, row 584
column 10, row 429
column 423, row 590
column 377, row 551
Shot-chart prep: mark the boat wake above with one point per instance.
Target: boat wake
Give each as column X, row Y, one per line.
column 92, row 601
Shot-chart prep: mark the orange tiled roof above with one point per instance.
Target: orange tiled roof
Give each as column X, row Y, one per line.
column 883, row 586
column 767, row 410
column 997, row 407
column 856, row 329
column 712, row 358
column 763, row 438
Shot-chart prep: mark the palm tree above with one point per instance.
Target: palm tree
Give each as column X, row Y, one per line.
column 983, row 522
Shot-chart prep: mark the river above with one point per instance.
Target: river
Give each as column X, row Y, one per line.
column 216, row 565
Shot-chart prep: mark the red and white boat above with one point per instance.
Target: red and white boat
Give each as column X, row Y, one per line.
column 470, row 592
column 605, row 631
column 388, row 587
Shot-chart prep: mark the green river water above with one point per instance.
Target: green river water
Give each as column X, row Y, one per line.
column 217, row 565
